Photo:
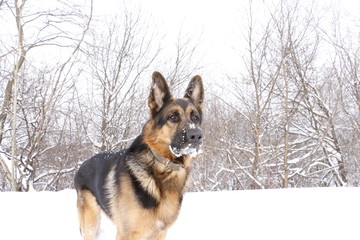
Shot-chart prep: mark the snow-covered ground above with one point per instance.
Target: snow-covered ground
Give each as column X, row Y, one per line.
column 313, row 213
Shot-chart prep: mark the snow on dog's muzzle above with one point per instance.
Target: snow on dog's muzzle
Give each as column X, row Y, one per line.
column 190, row 143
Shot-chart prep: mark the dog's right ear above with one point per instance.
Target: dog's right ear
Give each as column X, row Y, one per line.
column 159, row 93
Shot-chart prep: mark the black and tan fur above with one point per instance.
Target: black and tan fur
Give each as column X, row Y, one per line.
column 141, row 188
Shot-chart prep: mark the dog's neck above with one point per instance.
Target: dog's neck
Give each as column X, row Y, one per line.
column 167, row 162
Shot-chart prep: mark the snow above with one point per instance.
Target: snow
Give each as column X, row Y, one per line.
column 188, row 150
column 312, row 213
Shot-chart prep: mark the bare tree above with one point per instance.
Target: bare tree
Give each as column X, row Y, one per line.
column 119, row 59
column 253, row 93
column 27, row 135
column 284, row 132
column 344, row 72
column 184, row 63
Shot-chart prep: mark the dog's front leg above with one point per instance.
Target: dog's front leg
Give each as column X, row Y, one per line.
column 162, row 235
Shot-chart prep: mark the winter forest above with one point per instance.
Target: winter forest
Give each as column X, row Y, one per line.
column 74, row 83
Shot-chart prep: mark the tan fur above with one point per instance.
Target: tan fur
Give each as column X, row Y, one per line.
column 89, row 214
column 159, row 139
column 128, row 213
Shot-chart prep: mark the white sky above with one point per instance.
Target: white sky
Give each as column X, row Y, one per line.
column 218, row 24
column 213, row 22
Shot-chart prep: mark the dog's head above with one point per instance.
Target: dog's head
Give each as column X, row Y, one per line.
column 174, row 127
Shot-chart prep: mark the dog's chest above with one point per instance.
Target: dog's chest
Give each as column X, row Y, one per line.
column 168, row 209
column 166, row 214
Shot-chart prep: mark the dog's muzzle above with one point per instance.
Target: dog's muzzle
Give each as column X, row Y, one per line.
column 190, row 143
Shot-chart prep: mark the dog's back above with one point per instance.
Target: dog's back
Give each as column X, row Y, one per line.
column 92, row 176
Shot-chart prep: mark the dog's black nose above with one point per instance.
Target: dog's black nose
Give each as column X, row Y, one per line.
column 194, row 136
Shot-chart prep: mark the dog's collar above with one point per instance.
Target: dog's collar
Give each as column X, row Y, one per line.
column 167, row 162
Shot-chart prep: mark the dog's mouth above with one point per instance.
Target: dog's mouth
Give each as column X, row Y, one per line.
column 190, row 150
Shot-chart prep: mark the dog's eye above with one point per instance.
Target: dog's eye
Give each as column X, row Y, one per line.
column 195, row 118
column 173, row 118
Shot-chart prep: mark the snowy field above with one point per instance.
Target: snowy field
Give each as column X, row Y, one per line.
column 314, row 213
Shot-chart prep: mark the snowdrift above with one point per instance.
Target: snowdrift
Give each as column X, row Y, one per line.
column 314, row 213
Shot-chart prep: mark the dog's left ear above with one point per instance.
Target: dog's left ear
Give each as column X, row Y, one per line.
column 195, row 92
column 159, row 93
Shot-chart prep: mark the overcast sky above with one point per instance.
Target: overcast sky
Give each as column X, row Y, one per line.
column 218, row 23
column 218, row 26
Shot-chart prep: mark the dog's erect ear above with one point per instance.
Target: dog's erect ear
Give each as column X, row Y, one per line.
column 159, row 93
column 195, row 92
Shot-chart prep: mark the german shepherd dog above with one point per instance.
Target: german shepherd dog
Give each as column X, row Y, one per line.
column 141, row 188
